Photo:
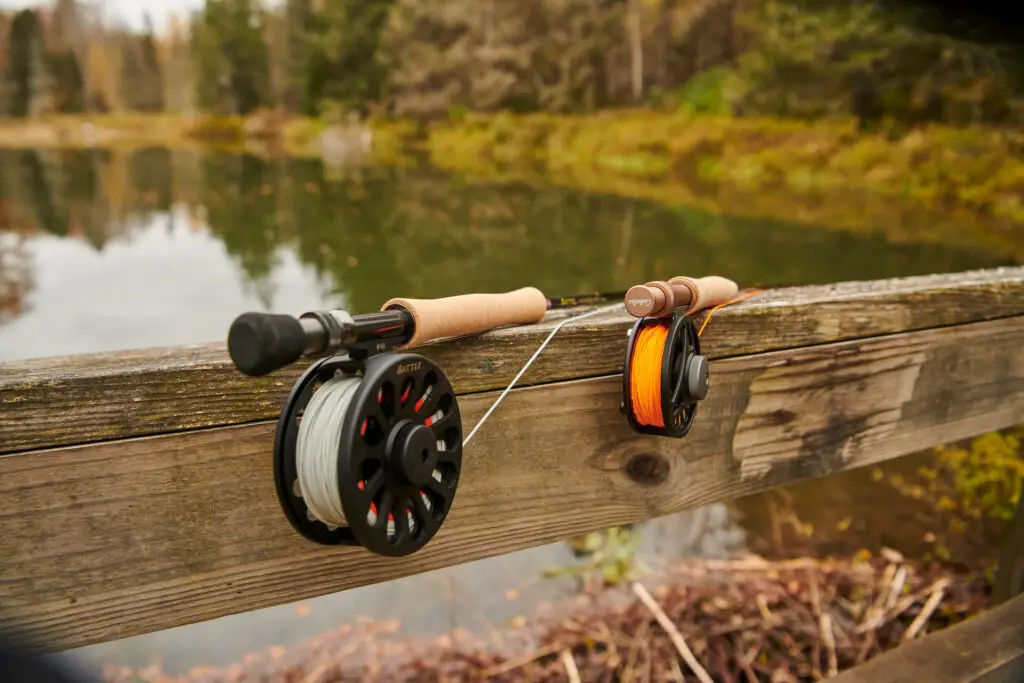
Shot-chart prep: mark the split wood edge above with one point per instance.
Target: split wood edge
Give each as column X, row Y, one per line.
column 987, row 647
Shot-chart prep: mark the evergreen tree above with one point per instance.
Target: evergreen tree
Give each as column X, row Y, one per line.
column 342, row 64
column 231, row 57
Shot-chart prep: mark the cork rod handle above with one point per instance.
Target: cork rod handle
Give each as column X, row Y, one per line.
column 466, row 314
column 708, row 291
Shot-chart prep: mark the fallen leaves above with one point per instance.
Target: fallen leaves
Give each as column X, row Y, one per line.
column 743, row 621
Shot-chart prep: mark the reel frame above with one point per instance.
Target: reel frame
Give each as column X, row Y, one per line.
column 685, row 377
column 388, row 458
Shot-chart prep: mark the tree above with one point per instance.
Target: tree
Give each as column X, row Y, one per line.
column 343, row 62
column 231, row 58
column 29, row 81
column 142, row 73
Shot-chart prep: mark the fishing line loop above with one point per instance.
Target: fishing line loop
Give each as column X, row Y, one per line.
column 526, row 366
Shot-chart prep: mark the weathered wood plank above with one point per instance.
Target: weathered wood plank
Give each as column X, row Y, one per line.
column 986, row 648
column 109, row 540
column 62, row 401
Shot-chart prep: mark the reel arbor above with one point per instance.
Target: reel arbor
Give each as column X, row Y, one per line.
column 664, row 378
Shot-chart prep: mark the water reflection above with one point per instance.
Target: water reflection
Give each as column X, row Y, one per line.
column 116, row 237
column 160, row 284
column 17, row 280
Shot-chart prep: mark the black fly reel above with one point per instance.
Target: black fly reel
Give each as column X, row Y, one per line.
column 399, row 456
column 684, row 375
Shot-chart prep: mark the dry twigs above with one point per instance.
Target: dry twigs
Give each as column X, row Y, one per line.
column 743, row 622
column 673, row 632
column 570, row 666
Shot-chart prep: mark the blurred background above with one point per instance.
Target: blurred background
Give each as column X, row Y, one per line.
column 165, row 166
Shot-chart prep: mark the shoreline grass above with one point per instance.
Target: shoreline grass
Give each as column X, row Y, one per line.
column 959, row 186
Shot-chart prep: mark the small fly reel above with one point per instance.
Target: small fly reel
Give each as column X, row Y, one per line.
column 378, row 456
column 664, row 375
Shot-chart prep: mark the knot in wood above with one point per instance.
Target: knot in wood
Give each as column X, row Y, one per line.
column 649, row 469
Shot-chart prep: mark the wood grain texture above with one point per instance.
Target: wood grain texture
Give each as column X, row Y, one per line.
column 986, row 648
column 109, row 540
column 62, row 401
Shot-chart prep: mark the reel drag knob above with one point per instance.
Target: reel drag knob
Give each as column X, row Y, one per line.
column 413, row 451
column 393, row 451
column 697, row 377
column 664, row 376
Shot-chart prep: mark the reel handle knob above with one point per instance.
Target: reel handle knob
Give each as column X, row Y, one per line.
column 656, row 299
column 659, row 298
column 466, row 314
column 697, row 378
column 260, row 343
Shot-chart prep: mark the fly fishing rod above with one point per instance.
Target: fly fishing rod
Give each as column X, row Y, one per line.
column 260, row 343
column 664, row 373
column 368, row 447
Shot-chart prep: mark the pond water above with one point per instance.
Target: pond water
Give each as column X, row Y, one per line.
column 105, row 251
column 101, row 251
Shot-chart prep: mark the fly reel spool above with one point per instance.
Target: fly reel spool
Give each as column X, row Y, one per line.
column 664, row 376
column 392, row 424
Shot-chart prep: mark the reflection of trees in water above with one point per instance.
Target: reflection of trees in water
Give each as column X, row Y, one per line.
column 41, row 184
column 151, row 182
column 17, row 223
column 441, row 238
column 237, row 193
column 503, row 238
column 16, row 277
column 92, row 194
column 373, row 233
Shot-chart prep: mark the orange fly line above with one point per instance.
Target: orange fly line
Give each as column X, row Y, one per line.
column 645, row 366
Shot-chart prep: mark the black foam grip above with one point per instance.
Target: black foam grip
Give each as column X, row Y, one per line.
column 260, row 343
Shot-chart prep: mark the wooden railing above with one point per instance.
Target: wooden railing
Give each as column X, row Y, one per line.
column 136, row 490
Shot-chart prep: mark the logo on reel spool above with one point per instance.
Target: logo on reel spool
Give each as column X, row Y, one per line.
column 408, row 367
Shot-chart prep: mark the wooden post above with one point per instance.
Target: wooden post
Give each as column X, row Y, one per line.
column 986, row 648
column 1010, row 570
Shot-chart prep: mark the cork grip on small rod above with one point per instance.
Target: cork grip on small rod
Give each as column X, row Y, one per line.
column 658, row 298
column 709, row 291
column 465, row 314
